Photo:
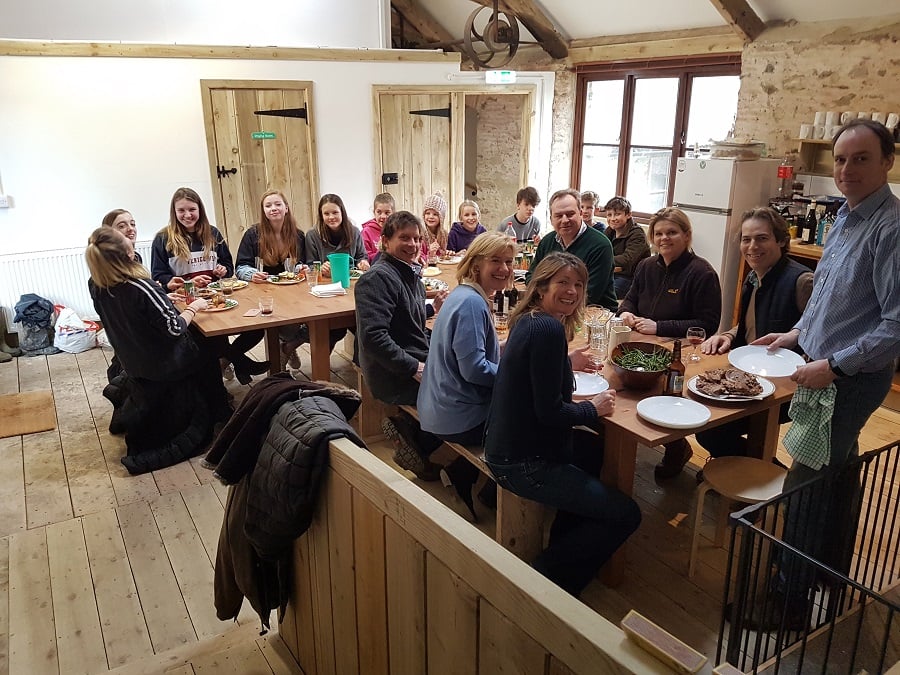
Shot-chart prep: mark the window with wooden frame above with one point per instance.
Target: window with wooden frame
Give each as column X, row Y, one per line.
column 634, row 120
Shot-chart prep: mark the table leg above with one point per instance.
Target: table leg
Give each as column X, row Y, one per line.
column 762, row 434
column 619, row 462
column 273, row 350
column 320, row 350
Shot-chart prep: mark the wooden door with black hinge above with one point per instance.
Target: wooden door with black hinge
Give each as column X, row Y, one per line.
column 414, row 138
column 259, row 136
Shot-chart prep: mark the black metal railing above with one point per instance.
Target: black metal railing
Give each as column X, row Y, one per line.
column 813, row 579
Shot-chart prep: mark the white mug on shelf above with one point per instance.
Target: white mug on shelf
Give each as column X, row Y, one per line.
column 879, row 117
column 847, row 116
column 864, row 115
column 831, row 118
column 819, row 118
column 892, row 120
column 806, row 131
column 819, row 131
column 831, row 131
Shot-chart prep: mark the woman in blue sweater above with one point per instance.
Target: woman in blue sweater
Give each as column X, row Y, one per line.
column 455, row 393
column 530, row 444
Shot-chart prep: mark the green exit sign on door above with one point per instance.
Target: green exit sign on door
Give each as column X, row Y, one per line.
column 262, row 135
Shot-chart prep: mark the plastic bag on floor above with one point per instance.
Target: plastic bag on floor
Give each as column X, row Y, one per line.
column 72, row 334
column 36, row 341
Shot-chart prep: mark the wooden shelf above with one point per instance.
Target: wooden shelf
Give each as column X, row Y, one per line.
column 816, row 159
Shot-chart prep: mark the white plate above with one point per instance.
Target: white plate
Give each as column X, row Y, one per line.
column 673, row 412
column 767, row 390
column 758, row 360
column 453, row 260
column 229, row 304
column 431, row 271
column 588, row 385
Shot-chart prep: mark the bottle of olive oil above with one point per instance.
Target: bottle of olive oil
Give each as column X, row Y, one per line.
column 675, row 374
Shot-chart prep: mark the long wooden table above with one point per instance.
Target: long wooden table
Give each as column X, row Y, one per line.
column 624, row 430
column 294, row 304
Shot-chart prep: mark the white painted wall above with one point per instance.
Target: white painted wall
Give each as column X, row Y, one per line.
column 286, row 23
column 81, row 136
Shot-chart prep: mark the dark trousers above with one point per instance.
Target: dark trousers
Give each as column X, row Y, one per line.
column 730, row 439
column 821, row 519
column 592, row 520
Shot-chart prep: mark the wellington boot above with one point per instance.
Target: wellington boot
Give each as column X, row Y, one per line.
column 4, row 347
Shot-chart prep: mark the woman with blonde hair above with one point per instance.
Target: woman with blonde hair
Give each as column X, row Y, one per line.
column 530, row 445
column 174, row 390
column 463, row 355
column 469, row 226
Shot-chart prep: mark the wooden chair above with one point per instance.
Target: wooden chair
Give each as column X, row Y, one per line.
column 736, row 479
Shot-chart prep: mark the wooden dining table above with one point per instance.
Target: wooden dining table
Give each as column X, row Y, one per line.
column 294, row 304
column 624, row 429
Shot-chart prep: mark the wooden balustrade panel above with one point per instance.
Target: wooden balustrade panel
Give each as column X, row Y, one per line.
column 389, row 580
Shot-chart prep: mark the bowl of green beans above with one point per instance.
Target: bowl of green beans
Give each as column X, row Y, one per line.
column 640, row 365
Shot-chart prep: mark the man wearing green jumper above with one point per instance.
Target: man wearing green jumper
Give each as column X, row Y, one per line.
column 592, row 246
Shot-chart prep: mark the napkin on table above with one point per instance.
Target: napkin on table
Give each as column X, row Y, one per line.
column 328, row 290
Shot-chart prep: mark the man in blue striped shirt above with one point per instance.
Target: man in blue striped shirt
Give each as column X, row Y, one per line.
column 850, row 331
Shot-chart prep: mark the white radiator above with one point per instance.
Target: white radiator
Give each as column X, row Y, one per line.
column 61, row 276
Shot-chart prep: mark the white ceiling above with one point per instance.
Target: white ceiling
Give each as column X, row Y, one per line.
column 577, row 19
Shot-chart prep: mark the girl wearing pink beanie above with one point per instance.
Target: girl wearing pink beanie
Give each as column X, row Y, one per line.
column 434, row 243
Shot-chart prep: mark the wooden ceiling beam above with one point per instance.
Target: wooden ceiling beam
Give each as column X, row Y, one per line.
column 537, row 23
column 422, row 20
column 627, row 38
column 741, row 17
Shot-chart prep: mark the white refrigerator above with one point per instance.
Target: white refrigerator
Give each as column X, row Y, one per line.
column 714, row 193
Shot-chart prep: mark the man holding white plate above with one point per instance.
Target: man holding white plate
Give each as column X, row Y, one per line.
column 850, row 330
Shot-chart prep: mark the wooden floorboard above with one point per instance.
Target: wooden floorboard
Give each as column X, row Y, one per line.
column 100, row 569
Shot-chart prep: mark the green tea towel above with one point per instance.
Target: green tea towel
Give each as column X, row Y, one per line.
column 808, row 440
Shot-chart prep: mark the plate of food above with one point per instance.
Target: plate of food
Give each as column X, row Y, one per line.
column 236, row 285
column 220, row 304
column 431, row 271
column 356, row 273
column 730, row 384
column 673, row 412
column 286, row 278
column 588, row 385
column 434, row 286
column 449, row 259
column 758, row 360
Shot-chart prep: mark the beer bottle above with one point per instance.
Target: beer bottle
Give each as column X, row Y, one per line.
column 675, row 374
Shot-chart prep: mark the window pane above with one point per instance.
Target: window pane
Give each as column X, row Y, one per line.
column 648, row 178
column 655, row 102
column 713, row 107
column 599, row 165
column 603, row 111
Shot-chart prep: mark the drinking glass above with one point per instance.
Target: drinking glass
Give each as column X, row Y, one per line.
column 597, row 350
column 695, row 336
column 501, row 322
column 266, row 305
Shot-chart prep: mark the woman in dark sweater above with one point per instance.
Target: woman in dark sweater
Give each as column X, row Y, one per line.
column 673, row 291
column 530, row 444
column 175, row 391
column 190, row 248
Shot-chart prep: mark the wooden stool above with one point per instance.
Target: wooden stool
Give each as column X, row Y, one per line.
column 736, row 479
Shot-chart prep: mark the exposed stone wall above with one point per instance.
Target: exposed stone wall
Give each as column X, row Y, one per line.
column 498, row 140
column 791, row 72
column 563, row 131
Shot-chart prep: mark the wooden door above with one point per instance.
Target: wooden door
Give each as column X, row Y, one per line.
column 259, row 136
column 414, row 142
column 421, row 136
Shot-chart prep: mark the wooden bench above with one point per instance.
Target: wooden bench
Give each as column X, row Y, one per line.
column 520, row 522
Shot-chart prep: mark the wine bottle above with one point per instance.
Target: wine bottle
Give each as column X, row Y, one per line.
column 675, row 374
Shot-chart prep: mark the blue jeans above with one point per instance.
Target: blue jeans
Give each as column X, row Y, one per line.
column 817, row 522
column 592, row 520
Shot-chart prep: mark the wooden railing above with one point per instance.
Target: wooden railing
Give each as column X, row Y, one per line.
column 389, row 580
